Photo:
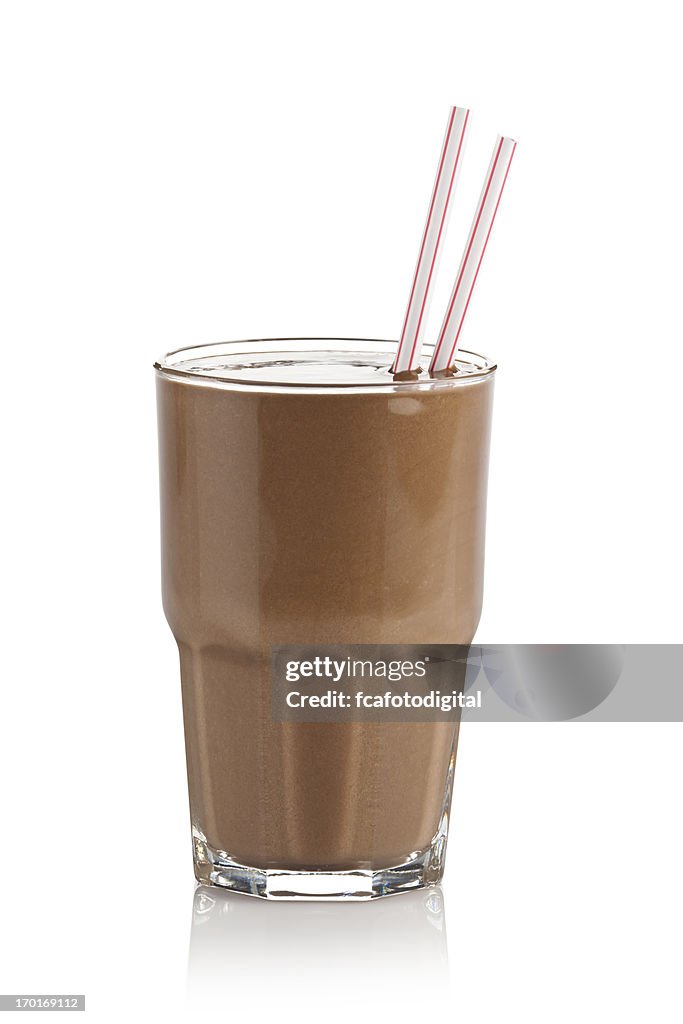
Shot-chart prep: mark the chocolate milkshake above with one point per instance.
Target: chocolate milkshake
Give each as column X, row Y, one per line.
column 308, row 497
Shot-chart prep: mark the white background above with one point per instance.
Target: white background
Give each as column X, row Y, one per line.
column 178, row 173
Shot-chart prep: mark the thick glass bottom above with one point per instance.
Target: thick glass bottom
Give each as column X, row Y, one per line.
column 420, row 869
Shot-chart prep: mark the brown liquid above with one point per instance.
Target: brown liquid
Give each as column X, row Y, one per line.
column 304, row 517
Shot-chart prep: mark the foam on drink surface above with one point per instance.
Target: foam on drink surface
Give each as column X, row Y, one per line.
column 317, row 368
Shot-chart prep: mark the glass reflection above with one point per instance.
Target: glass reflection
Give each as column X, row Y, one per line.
column 237, row 941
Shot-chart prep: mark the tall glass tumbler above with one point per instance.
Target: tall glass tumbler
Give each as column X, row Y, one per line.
column 308, row 497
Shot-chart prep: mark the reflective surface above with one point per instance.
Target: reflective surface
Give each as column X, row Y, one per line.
column 311, row 948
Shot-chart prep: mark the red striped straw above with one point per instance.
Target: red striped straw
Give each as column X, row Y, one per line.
column 409, row 345
column 489, row 201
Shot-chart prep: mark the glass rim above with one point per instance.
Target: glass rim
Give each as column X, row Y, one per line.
column 167, row 366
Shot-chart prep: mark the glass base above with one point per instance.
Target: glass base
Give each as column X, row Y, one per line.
column 420, row 869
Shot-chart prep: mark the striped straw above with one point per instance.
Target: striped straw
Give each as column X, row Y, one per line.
column 477, row 241
column 409, row 347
